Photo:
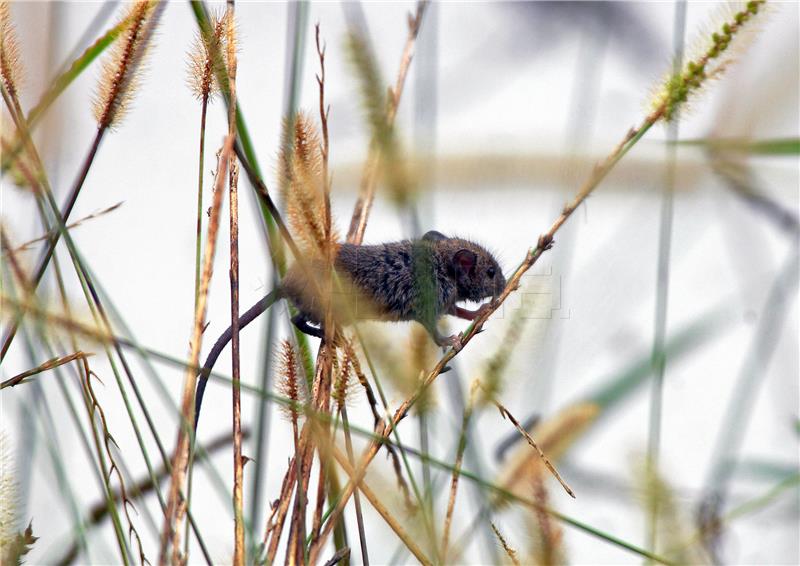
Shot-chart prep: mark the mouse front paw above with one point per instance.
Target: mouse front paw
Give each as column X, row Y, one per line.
column 453, row 342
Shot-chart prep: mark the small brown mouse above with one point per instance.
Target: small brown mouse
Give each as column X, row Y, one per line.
column 418, row 280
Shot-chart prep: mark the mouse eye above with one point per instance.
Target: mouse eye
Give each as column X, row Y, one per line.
column 490, row 272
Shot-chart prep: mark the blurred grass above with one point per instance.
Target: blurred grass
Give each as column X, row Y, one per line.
column 468, row 171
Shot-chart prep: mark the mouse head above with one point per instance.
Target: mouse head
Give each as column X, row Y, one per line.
column 473, row 268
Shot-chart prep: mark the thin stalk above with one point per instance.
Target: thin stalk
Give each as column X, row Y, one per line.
column 297, row 19
column 122, row 541
column 233, row 180
column 462, row 445
column 362, row 536
column 659, row 359
column 752, row 373
column 199, row 228
column 175, row 504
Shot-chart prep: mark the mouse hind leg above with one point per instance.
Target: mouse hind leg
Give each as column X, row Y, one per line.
column 302, row 322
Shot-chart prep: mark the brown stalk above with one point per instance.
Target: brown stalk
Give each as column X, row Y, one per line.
column 279, row 510
column 50, row 234
column 96, row 410
column 510, row 552
column 49, row 364
column 369, row 180
column 462, row 445
column 385, row 514
column 507, row 415
column 175, row 503
column 238, row 462
column 549, row 533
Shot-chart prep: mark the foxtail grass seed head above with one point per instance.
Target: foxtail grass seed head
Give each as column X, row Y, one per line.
column 304, row 192
column 710, row 61
column 121, row 70
column 342, row 384
column 384, row 138
column 8, row 496
column 14, row 543
column 290, row 385
column 10, row 66
column 206, row 58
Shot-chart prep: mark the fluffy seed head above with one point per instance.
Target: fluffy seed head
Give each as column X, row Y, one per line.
column 304, row 186
column 10, row 67
column 709, row 61
column 207, row 48
column 121, row 70
column 290, row 384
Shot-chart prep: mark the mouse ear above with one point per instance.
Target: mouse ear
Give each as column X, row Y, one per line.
column 433, row 236
column 464, row 261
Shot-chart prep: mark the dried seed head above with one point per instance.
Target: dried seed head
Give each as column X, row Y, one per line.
column 304, row 186
column 10, row 67
column 121, row 70
column 343, row 385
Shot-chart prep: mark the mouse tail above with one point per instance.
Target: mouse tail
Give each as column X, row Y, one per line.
column 249, row 316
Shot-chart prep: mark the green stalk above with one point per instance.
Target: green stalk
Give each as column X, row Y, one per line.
column 659, row 359
column 298, row 18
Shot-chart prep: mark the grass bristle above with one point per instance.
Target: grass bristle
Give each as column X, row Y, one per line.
column 10, row 66
column 121, row 72
column 202, row 70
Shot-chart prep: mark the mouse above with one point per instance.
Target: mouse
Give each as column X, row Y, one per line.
column 409, row 280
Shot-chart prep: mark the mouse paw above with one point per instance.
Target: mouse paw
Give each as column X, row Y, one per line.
column 453, row 341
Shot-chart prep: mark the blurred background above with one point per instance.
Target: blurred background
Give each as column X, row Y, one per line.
column 506, row 108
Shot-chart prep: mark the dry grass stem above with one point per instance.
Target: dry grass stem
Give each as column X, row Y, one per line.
column 462, row 445
column 233, row 181
column 507, row 415
column 49, row 364
column 175, row 503
column 510, row 552
column 27, row 245
column 380, row 508
column 96, row 412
